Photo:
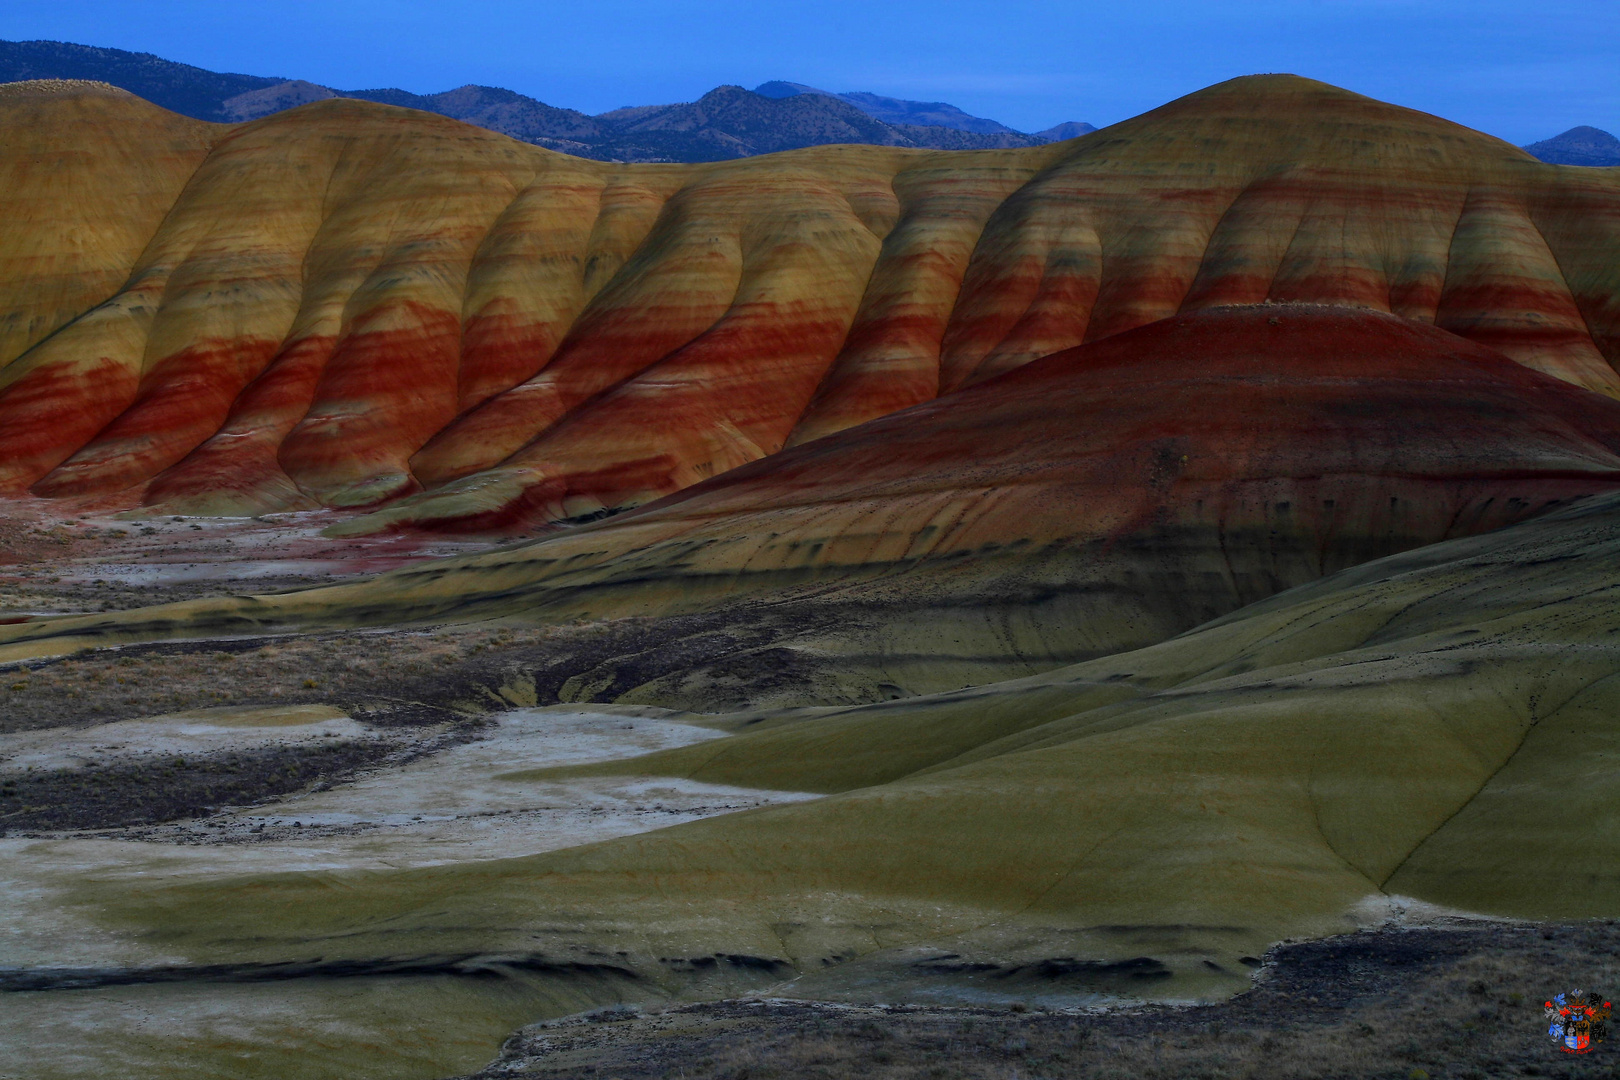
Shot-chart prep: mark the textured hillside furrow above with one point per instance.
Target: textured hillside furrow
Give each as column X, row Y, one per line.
column 236, row 471
column 1581, row 226
column 349, row 304
column 526, row 285
column 239, row 469
column 891, row 357
column 1504, row 288
column 392, row 379
column 1099, row 499
column 231, row 261
column 89, row 174
column 727, row 397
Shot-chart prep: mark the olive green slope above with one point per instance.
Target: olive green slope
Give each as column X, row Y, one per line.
column 1439, row 725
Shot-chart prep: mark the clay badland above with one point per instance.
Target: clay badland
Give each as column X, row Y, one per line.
column 1055, row 574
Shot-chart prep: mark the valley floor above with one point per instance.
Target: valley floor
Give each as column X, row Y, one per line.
column 57, row 559
column 380, row 751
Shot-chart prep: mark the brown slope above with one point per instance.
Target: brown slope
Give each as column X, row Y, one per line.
column 88, row 174
column 478, row 301
column 1277, row 188
column 1100, row 499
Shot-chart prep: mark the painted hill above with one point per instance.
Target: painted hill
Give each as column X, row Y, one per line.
column 1143, row 548
column 347, row 303
column 1579, row 146
column 1097, row 500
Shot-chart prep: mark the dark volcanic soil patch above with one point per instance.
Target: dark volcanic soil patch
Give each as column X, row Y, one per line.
column 172, row 789
column 1429, row 1004
column 387, row 679
column 395, row 682
column 392, row 676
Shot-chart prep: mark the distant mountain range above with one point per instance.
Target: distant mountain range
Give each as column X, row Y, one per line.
column 917, row 113
column 727, row 122
column 1579, row 146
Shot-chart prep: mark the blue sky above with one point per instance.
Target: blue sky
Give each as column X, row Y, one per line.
column 1521, row 70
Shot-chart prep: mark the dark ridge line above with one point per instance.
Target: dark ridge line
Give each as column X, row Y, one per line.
column 464, row 965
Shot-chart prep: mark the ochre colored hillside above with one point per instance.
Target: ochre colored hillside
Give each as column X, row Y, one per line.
column 87, row 174
column 1099, row 499
column 348, row 303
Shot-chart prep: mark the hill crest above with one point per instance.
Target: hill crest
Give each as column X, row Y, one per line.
column 421, row 308
column 1583, row 145
column 620, row 135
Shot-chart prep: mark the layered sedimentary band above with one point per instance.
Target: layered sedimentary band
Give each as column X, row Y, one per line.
column 1399, row 730
column 1102, row 498
column 348, row 304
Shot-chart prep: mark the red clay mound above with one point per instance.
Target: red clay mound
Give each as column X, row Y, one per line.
column 1098, row 499
column 1349, row 424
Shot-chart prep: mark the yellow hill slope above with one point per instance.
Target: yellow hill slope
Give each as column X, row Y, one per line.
column 347, row 303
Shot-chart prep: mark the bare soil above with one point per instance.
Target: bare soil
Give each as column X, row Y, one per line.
column 1422, row 1004
column 1455, row 1003
column 128, row 793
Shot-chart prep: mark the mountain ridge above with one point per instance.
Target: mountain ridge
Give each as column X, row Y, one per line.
column 224, row 97
column 903, row 113
column 183, row 88
column 728, row 122
column 1582, row 145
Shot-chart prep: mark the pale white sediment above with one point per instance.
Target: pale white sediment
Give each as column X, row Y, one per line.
column 134, row 548
column 198, row 732
column 453, row 806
